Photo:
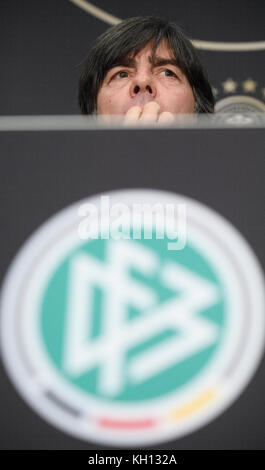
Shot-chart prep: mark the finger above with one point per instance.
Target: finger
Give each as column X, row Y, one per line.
column 166, row 118
column 132, row 115
column 150, row 113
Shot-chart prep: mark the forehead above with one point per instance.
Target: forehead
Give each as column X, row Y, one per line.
column 149, row 52
column 150, row 49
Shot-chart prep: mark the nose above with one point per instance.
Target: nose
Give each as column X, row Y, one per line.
column 143, row 83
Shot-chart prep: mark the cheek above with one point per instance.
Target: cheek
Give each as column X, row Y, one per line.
column 189, row 99
column 189, row 102
column 110, row 102
column 103, row 103
column 181, row 100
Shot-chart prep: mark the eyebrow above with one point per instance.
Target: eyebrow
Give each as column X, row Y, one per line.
column 154, row 60
column 157, row 61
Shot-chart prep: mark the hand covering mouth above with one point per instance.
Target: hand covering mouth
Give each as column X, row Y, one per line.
column 140, row 100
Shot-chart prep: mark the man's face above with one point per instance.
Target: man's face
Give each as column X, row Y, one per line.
column 146, row 78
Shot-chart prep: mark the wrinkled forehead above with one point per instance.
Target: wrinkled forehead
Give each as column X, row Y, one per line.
column 156, row 49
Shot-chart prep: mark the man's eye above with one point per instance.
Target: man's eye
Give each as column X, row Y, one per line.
column 122, row 74
column 168, row 73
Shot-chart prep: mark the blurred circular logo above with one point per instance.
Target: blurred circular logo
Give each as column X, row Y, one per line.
column 133, row 318
column 240, row 110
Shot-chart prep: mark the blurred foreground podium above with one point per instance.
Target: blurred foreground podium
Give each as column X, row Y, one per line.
column 49, row 164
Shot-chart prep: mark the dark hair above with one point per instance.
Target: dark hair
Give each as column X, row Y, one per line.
column 130, row 36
